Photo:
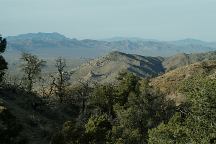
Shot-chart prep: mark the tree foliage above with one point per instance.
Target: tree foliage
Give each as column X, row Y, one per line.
column 195, row 122
column 61, row 81
column 121, row 113
column 97, row 129
column 103, row 99
column 31, row 67
column 128, row 84
column 3, row 63
column 145, row 109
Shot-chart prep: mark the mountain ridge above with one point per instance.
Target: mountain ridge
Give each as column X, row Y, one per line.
column 41, row 43
column 106, row 69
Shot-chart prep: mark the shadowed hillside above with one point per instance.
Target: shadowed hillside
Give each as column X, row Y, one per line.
column 26, row 117
column 106, row 69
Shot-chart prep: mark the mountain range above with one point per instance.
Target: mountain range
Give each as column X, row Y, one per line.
column 55, row 44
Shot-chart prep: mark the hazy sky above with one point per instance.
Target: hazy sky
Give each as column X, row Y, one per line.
column 98, row 19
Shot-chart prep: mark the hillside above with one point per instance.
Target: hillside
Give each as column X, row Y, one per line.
column 106, row 69
column 170, row 81
column 25, row 118
column 183, row 59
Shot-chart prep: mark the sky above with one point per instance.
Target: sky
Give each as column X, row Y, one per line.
column 100, row 19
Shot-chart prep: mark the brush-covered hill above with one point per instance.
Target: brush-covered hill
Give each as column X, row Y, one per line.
column 183, row 59
column 170, row 82
column 106, row 69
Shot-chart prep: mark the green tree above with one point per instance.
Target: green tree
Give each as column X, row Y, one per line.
column 95, row 131
column 173, row 132
column 61, row 82
column 97, row 128
column 144, row 110
column 31, row 67
column 71, row 132
column 82, row 91
column 128, row 84
column 103, row 99
column 111, row 119
column 3, row 63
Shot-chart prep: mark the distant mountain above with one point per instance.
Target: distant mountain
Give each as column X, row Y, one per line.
column 134, row 39
column 55, row 44
column 189, row 42
column 39, row 36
